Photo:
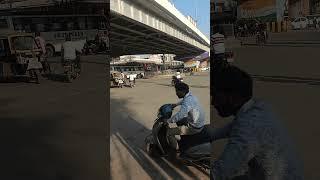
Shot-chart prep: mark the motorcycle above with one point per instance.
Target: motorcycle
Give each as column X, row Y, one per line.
column 93, row 47
column 176, row 80
column 260, row 39
column 158, row 143
column 72, row 69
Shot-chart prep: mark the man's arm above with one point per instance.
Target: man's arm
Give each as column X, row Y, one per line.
column 182, row 113
column 237, row 152
column 221, row 133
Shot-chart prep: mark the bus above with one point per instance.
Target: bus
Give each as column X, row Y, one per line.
column 54, row 28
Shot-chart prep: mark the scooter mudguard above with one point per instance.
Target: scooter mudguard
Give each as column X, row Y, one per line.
column 158, row 130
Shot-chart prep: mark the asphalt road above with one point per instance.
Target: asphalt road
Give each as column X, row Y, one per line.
column 133, row 111
column 289, row 79
column 55, row 130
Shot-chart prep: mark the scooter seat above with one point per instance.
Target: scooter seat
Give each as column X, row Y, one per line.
column 199, row 150
column 195, row 157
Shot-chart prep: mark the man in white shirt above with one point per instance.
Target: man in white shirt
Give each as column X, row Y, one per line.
column 69, row 50
column 190, row 119
column 218, row 47
column 131, row 80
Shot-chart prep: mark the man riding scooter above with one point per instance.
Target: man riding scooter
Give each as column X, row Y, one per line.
column 190, row 119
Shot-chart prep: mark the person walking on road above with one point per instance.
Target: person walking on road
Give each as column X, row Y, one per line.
column 41, row 43
column 132, row 80
column 218, row 40
column 69, row 52
column 258, row 146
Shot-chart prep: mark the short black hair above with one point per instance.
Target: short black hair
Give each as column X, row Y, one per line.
column 180, row 86
column 232, row 80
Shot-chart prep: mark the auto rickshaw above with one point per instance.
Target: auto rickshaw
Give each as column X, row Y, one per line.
column 116, row 79
column 19, row 57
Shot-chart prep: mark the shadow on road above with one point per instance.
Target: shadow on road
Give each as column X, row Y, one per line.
column 287, row 79
column 26, row 151
column 130, row 133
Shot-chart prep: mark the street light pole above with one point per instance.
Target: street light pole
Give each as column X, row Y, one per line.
column 164, row 64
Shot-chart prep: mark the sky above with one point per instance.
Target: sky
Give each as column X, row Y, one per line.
column 198, row 10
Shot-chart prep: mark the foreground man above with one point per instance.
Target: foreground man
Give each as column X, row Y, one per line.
column 190, row 119
column 258, row 147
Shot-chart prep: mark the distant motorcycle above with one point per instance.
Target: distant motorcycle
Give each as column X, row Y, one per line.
column 72, row 69
column 176, row 80
column 260, row 38
column 93, row 47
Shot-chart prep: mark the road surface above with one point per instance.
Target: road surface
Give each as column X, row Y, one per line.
column 133, row 111
column 289, row 79
column 55, row 130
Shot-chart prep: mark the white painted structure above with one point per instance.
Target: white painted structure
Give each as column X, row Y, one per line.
column 153, row 27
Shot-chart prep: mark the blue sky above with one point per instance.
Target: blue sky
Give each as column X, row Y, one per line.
column 199, row 10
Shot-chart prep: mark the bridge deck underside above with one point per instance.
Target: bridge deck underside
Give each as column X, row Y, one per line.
column 131, row 37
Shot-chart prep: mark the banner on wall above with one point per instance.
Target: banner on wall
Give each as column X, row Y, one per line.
column 261, row 8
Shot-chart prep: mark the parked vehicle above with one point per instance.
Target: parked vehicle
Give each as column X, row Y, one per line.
column 116, row 79
column 299, row 23
column 19, row 57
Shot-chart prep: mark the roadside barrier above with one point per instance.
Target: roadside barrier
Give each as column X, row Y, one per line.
column 285, row 26
column 277, row 27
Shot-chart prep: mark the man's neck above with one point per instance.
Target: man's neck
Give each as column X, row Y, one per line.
column 244, row 106
column 186, row 95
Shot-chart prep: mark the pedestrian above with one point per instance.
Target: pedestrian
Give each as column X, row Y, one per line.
column 131, row 80
column 69, row 51
column 41, row 43
column 106, row 40
column 314, row 23
column 122, row 75
column 218, row 39
column 258, row 146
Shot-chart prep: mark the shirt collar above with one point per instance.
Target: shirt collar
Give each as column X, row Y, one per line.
column 246, row 106
column 188, row 94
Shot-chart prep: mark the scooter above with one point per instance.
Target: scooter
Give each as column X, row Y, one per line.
column 158, row 143
column 72, row 68
column 119, row 82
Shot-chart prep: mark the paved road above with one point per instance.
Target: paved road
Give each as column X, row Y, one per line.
column 288, row 79
column 132, row 115
column 55, row 130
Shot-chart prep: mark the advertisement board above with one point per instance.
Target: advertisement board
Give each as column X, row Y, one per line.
column 272, row 9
